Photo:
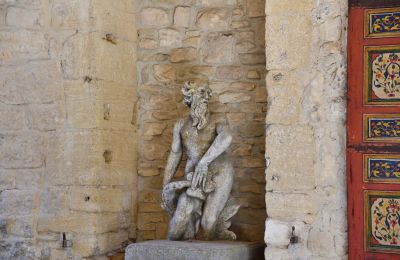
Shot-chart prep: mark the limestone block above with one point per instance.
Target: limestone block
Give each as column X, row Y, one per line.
column 150, row 207
column 291, row 44
column 277, row 233
column 20, row 226
column 237, row 118
column 95, row 173
column 111, row 58
column 99, row 199
column 170, row 37
column 27, row 179
column 284, row 109
column 290, row 206
column 218, row 48
column 15, row 117
column 203, row 70
column 117, row 18
column 252, row 188
column 17, row 202
column 54, row 200
column 272, row 253
column 164, row 73
column 245, row 46
column 195, row 250
column 261, row 94
column 231, row 97
column 251, row 162
column 74, row 56
column 240, row 24
column 69, row 14
column 33, row 4
column 22, row 17
column 217, row 2
column 30, row 83
column 183, row 54
column 321, row 243
column 288, row 145
column 155, row 151
column 153, row 128
column 230, row 72
column 154, row 17
column 255, row 8
column 22, row 45
column 213, row 18
column 47, row 116
column 282, row 7
column 182, row 16
column 148, row 44
column 252, row 58
column 21, row 150
column 7, row 180
column 251, row 130
column 81, row 222
column 146, row 195
column 80, row 113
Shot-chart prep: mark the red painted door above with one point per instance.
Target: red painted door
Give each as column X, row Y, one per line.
column 373, row 145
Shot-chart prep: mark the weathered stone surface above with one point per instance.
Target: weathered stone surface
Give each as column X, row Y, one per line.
column 255, row 8
column 164, row 73
column 183, row 54
column 234, row 98
column 299, row 145
column 170, row 37
column 182, row 16
column 21, row 17
column 168, row 250
column 154, row 17
column 277, row 233
column 219, row 48
column 213, row 18
column 230, row 72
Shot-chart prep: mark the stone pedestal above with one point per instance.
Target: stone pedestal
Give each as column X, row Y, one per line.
column 194, row 250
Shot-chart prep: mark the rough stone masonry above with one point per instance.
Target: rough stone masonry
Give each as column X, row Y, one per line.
column 306, row 136
column 221, row 42
column 67, row 143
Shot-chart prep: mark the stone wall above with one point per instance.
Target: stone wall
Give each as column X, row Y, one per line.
column 305, row 137
column 221, row 42
column 67, row 142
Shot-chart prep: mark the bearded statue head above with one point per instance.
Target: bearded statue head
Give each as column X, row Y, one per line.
column 196, row 97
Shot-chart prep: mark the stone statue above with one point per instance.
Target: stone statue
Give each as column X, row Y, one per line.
column 202, row 198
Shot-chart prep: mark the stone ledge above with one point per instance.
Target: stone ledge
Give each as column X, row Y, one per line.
column 194, row 250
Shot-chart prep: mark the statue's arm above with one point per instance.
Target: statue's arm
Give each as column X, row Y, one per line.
column 175, row 154
column 220, row 145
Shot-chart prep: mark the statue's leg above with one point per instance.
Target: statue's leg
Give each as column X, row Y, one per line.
column 216, row 201
column 182, row 216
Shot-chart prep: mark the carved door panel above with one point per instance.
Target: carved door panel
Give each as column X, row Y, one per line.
column 373, row 145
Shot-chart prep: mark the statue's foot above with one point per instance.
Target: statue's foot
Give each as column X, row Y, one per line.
column 227, row 235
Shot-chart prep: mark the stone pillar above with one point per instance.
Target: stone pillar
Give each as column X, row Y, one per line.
column 67, row 142
column 305, row 136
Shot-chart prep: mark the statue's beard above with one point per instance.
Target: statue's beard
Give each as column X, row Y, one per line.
column 198, row 112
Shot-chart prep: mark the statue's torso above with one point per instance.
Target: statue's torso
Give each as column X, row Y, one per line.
column 196, row 142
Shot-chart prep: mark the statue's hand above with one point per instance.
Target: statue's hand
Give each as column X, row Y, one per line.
column 200, row 176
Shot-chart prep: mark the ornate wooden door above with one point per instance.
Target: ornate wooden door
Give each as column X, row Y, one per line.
column 373, row 145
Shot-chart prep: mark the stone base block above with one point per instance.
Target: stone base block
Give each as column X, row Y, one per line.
column 194, row 250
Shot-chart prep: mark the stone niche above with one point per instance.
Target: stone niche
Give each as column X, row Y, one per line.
column 221, row 42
